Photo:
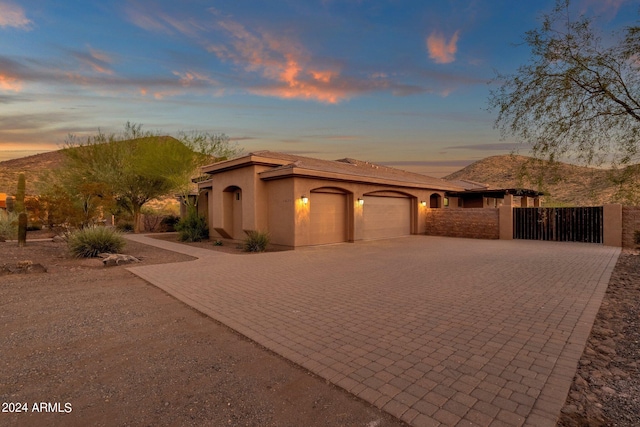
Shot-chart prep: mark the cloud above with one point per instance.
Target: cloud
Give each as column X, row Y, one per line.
column 13, row 16
column 441, row 51
column 98, row 61
column 284, row 63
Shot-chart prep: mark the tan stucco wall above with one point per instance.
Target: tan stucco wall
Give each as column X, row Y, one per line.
column 630, row 224
column 354, row 191
column 276, row 205
column 612, row 225
column 254, row 200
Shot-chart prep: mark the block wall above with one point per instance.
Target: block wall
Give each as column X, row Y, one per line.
column 474, row 223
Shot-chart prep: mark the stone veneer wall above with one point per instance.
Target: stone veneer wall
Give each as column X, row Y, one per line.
column 630, row 223
column 475, row 223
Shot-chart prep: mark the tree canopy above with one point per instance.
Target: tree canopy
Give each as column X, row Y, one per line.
column 578, row 97
column 135, row 167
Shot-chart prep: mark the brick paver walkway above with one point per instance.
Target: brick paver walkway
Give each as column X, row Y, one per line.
column 436, row 331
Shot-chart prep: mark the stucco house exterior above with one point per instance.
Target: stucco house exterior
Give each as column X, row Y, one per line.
column 304, row 201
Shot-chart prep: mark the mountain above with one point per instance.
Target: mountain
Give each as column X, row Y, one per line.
column 32, row 166
column 563, row 183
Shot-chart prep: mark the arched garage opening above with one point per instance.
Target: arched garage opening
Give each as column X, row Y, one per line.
column 387, row 214
column 328, row 216
column 232, row 213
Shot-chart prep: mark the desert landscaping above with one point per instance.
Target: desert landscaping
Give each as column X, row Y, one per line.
column 122, row 352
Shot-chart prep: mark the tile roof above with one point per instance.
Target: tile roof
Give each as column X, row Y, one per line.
column 359, row 168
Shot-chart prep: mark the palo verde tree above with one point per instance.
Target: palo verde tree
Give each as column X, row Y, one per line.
column 578, row 97
column 135, row 167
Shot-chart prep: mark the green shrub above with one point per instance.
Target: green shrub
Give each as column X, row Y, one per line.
column 192, row 228
column 168, row 223
column 256, row 241
column 91, row 241
column 8, row 226
column 125, row 227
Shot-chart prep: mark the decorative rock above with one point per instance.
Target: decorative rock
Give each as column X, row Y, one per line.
column 117, row 259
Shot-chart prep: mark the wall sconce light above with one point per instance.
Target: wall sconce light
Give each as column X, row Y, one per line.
column 360, row 201
column 423, row 203
column 304, row 199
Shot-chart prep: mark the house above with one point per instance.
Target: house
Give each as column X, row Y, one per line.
column 3, row 201
column 478, row 195
column 304, row 201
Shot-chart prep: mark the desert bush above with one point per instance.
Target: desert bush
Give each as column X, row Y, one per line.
column 125, row 226
column 256, row 241
column 8, row 225
column 168, row 223
column 192, row 228
column 91, row 241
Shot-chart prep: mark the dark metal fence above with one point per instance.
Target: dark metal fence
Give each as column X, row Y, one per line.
column 559, row 224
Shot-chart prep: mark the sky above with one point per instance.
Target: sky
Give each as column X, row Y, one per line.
column 404, row 83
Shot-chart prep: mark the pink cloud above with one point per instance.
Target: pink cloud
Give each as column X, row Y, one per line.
column 441, row 51
column 282, row 61
column 10, row 83
column 13, row 16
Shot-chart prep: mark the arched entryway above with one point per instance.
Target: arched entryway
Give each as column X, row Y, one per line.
column 232, row 212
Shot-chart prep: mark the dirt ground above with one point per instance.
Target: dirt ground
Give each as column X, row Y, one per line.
column 93, row 345
column 99, row 346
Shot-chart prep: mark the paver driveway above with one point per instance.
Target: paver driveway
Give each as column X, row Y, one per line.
column 436, row 331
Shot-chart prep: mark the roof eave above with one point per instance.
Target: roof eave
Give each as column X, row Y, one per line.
column 334, row 176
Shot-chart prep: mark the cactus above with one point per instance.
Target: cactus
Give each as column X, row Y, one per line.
column 22, row 229
column 20, row 194
column 11, row 204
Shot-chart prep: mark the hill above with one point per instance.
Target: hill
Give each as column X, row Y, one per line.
column 565, row 184
column 32, row 166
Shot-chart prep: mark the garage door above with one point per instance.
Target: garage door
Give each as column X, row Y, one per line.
column 386, row 217
column 328, row 218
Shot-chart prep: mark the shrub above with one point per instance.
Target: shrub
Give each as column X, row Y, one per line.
column 91, row 241
column 192, row 228
column 256, row 241
column 125, row 227
column 8, row 226
column 168, row 223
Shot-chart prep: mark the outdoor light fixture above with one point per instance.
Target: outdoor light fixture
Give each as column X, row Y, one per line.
column 360, row 201
column 304, row 199
column 423, row 203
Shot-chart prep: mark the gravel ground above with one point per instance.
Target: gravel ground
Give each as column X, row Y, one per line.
column 606, row 388
column 99, row 346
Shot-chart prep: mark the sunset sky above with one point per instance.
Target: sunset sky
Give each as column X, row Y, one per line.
column 399, row 82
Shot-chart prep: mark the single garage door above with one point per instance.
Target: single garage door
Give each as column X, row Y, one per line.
column 328, row 218
column 386, row 217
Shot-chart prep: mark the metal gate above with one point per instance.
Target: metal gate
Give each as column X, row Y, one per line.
column 559, row 224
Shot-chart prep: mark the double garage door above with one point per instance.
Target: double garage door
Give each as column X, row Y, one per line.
column 384, row 217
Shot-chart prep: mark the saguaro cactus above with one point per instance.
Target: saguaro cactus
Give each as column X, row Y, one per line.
column 22, row 229
column 11, row 204
column 20, row 193
column 22, row 217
